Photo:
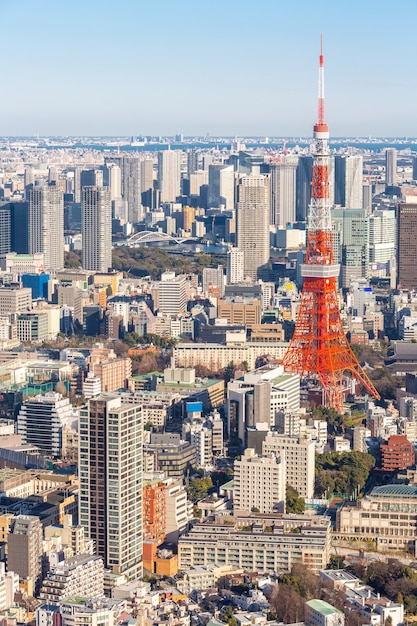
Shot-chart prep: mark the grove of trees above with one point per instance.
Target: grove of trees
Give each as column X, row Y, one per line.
column 342, row 472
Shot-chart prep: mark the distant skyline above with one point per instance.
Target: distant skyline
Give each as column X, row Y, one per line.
column 223, row 67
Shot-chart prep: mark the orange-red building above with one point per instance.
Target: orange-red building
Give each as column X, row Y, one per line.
column 154, row 520
column 397, row 454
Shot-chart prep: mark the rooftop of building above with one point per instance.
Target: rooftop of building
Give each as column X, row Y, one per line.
column 199, row 382
column 395, row 491
column 339, row 575
column 322, row 607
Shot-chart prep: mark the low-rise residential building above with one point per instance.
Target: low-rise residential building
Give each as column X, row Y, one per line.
column 263, row 543
column 218, row 356
column 321, row 613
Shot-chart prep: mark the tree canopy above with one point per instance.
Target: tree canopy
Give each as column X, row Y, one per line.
column 293, row 502
column 342, row 472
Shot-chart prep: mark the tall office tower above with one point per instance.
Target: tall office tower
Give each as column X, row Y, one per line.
column 303, row 187
column 406, row 245
column 221, row 186
column 234, row 267
column 415, row 168
column 197, row 180
column 146, row 183
column 29, row 180
column 52, row 174
column 115, row 180
column 77, row 184
column 351, row 244
column 283, row 192
column 169, row 175
column 5, row 229
column 96, row 229
column 192, row 162
column 110, row 470
column 367, row 197
column 25, row 549
column 319, row 348
column 46, row 225
column 20, row 221
column 382, row 234
column 252, row 224
column 131, row 188
column 348, row 181
column 91, row 178
column 390, row 167
column 188, row 217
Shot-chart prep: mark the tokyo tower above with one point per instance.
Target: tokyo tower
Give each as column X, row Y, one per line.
column 319, row 348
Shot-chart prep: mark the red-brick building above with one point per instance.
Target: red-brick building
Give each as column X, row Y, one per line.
column 397, row 454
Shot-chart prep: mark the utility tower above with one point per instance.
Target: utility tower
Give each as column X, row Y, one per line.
column 319, row 348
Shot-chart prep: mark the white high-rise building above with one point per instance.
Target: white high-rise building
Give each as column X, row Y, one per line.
column 110, row 466
column 221, row 190
column 234, row 267
column 299, row 460
column 115, row 176
column 382, row 234
column 259, row 483
column 172, row 294
column 348, row 191
column 146, row 183
column 283, row 192
column 96, row 229
column 46, row 225
column 354, row 191
column 169, row 175
column 253, row 224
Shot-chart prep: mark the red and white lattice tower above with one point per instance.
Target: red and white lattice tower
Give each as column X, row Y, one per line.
column 319, row 348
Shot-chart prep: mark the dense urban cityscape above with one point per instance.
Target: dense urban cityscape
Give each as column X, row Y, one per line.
column 208, row 380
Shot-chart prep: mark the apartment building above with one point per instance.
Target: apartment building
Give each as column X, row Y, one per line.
column 258, row 543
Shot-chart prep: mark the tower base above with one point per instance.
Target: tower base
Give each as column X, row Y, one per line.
column 319, row 347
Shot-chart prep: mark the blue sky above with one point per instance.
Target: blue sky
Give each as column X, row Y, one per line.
column 223, row 67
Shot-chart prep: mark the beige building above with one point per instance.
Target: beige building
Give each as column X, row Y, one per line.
column 259, row 483
column 268, row 333
column 240, row 312
column 253, row 224
column 25, row 549
column 217, row 356
column 113, row 372
column 258, row 543
column 15, row 300
column 387, row 517
column 299, row 460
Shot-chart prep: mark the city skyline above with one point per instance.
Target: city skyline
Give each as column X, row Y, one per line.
column 84, row 69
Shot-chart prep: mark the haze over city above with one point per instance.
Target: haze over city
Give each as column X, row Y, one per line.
column 222, row 68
